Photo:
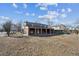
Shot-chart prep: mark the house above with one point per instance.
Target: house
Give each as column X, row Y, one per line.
column 59, row 27
column 36, row 29
column 15, row 28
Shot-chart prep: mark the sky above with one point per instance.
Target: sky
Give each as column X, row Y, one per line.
column 56, row 13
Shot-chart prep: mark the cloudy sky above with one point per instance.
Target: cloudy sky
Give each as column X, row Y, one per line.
column 57, row 13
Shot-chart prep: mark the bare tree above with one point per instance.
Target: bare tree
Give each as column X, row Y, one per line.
column 7, row 27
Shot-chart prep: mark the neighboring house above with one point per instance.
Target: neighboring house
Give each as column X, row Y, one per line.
column 59, row 27
column 15, row 28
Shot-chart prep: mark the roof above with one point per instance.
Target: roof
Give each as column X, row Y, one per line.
column 37, row 25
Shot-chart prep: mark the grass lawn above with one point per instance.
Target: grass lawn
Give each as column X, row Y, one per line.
column 63, row 45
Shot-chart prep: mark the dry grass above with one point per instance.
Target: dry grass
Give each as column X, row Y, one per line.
column 55, row 45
